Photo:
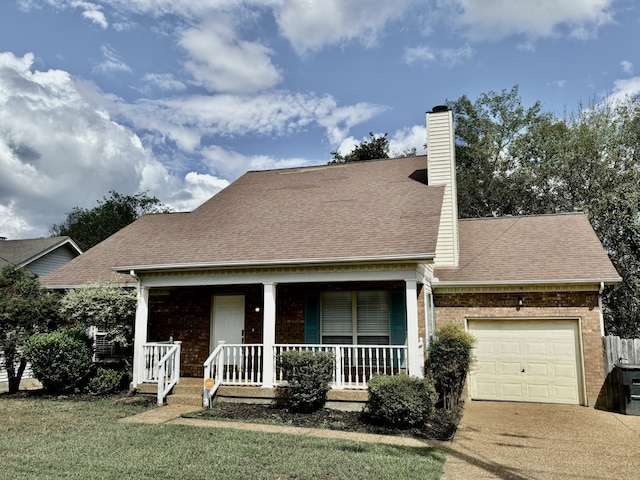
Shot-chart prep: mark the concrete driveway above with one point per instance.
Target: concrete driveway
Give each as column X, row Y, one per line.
column 519, row 441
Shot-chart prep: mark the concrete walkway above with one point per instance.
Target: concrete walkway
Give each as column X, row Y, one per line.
column 521, row 441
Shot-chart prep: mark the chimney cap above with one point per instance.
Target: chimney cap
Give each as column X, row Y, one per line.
column 440, row 108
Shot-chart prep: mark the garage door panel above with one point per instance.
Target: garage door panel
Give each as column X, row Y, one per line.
column 509, row 368
column 513, row 347
column 487, row 389
column 487, row 367
column 536, row 348
column 563, row 350
column 539, row 392
column 534, row 369
column 526, row 360
column 566, row 394
column 567, row 371
column 512, row 390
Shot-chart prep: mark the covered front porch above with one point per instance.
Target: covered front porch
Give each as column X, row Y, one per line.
column 231, row 334
column 238, row 365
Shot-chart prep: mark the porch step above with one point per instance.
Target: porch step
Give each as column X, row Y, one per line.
column 184, row 399
column 187, row 392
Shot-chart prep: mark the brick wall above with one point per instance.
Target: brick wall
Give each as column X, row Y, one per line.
column 185, row 315
column 584, row 305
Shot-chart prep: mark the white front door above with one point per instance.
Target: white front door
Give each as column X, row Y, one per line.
column 227, row 320
column 526, row 360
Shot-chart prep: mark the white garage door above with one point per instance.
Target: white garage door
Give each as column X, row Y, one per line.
column 526, row 360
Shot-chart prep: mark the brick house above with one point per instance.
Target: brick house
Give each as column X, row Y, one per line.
column 364, row 260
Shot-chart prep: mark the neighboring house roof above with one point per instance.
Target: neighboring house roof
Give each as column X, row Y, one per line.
column 39, row 255
column 531, row 249
column 364, row 211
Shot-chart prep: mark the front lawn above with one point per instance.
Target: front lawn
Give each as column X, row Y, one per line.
column 59, row 439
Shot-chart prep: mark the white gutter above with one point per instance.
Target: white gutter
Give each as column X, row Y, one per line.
column 480, row 283
column 418, row 258
column 600, row 290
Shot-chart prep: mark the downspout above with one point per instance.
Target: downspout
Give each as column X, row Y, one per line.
column 600, row 290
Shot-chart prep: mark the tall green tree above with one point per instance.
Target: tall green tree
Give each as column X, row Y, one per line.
column 515, row 160
column 88, row 227
column 492, row 170
column 377, row 147
column 25, row 310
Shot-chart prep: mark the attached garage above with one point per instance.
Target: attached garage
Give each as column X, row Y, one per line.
column 528, row 360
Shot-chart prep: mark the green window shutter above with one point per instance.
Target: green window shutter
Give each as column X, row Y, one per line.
column 312, row 317
column 398, row 317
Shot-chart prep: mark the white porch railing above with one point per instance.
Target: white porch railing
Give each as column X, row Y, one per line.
column 354, row 364
column 232, row 365
column 162, row 366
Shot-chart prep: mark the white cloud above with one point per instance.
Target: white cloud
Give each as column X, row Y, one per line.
column 12, row 224
column 557, row 83
column 340, row 120
column 164, row 81
column 59, row 148
column 308, row 25
column 420, row 54
column 111, row 63
column 628, row 87
column 221, row 62
column 198, row 188
column 443, row 56
column 408, row 138
column 185, row 120
column 92, row 12
column 231, row 165
column 314, row 24
column 627, row 67
column 496, row 19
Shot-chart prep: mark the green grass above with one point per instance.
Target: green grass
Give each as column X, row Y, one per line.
column 49, row 439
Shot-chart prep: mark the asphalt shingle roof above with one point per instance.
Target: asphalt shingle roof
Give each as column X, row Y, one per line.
column 22, row 251
column 539, row 248
column 380, row 209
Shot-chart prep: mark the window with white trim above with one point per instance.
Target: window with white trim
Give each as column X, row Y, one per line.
column 355, row 318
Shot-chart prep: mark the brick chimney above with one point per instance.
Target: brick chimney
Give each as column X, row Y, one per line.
column 441, row 170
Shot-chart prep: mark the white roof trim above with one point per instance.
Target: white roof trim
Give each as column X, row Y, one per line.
column 418, row 258
column 41, row 254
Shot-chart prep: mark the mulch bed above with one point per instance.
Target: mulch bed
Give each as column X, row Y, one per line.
column 441, row 426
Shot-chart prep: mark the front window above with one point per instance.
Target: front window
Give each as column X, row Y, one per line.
column 360, row 318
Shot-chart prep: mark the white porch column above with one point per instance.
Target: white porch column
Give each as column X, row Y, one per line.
column 416, row 368
column 140, row 334
column 268, row 334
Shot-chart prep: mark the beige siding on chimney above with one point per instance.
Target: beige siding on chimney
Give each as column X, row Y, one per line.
column 442, row 171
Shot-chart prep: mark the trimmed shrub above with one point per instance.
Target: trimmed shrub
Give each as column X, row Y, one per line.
column 449, row 361
column 309, row 375
column 61, row 360
column 106, row 381
column 401, row 400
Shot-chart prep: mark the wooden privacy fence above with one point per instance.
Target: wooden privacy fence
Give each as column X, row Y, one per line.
column 620, row 350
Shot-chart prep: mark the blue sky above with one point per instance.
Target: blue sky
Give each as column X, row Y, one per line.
column 181, row 97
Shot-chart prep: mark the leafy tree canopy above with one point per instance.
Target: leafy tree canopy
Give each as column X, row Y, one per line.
column 517, row 160
column 377, row 147
column 25, row 309
column 109, row 307
column 88, row 227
